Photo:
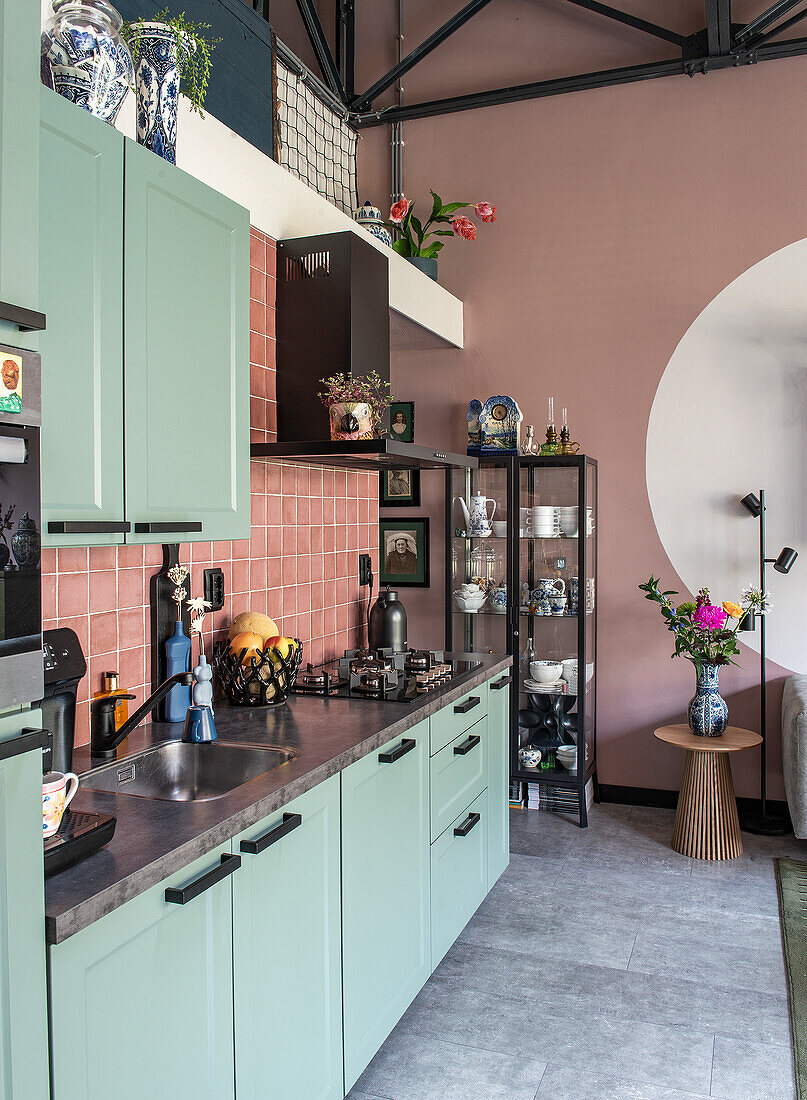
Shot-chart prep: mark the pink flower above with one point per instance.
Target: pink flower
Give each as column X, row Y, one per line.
column 709, row 617
column 486, row 211
column 399, row 210
column 464, row 227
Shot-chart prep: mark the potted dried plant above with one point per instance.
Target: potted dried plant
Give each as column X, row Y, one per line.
column 356, row 404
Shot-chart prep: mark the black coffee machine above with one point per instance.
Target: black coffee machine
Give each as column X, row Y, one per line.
column 64, row 669
column 80, row 833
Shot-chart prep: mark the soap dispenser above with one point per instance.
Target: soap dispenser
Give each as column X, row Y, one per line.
column 110, row 686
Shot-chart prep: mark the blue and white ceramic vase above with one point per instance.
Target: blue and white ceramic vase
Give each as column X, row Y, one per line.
column 157, row 78
column 84, row 58
column 708, row 711
column 370, row 217
column 26, row 543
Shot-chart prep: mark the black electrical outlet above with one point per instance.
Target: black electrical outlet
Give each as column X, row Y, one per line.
column 365, row 569
column 214, row 588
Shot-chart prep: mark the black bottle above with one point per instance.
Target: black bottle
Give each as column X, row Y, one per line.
column 387, row 628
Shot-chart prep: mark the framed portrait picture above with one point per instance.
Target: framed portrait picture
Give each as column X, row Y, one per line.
column 404, row 553
column 402, row 420
column 399, row 489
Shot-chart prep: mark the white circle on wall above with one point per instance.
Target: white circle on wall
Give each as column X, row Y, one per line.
column 730, row 417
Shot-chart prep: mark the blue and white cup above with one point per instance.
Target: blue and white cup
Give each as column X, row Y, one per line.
column 497, row 598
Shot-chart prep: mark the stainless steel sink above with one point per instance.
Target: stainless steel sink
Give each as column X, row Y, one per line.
column 175, row 771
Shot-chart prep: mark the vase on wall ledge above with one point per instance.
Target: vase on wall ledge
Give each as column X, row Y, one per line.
column 708, row 711
column 177, row 659
column 84, row 58
column 426, row 264
column 157, row 78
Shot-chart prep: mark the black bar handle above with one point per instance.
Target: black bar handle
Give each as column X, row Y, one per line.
column 29, row 740
column 167, row 528
column 505, row 680
column 466, row 746
column 26, row 320
column 469, row 704
column 255, row 847
column 467, row 825
column 88, row 527
column 406, row 745
column 228, row 865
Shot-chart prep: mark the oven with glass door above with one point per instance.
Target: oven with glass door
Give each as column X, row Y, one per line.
column 21, row 670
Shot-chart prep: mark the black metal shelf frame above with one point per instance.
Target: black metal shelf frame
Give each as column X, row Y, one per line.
column 461, row 629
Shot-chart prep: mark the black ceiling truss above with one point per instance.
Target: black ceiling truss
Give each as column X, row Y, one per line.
column 720, row 44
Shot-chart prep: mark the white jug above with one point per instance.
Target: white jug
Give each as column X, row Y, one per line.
column 477, row 520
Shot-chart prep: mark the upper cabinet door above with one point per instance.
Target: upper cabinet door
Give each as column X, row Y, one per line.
column 19, row 158
column 186, row 338
column 81, row 260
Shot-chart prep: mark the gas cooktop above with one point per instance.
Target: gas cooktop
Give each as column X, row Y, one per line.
column 381, row 674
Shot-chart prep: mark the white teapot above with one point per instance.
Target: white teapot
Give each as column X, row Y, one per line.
column 477, row 520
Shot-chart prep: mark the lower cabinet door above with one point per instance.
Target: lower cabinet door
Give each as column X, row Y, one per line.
column 287, row 952
column 142, row 1000
column 459, row 875
column 23, row 996
column 498, row 777
column 385, row 891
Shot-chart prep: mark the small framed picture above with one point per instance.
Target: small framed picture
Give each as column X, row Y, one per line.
column 404, row 547
column 399, row 489
column 402, row 420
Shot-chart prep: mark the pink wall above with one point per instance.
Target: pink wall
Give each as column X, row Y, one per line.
column 622, row 213
column 299, row 564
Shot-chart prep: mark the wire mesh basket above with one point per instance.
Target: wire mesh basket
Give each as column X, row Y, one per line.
column 263, row 680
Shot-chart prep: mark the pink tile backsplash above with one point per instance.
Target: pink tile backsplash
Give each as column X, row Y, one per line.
column 299, row 564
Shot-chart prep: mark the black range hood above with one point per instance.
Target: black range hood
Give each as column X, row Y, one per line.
column 363, row 454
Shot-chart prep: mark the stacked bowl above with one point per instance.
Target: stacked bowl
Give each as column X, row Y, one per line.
column 569, row 521
column 543, row 521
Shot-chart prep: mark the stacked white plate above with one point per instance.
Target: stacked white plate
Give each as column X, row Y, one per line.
column 558, row 687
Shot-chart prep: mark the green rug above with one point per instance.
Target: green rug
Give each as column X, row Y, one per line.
column 791, row 877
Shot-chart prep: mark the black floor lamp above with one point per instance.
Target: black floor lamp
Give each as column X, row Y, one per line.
column 762, row 822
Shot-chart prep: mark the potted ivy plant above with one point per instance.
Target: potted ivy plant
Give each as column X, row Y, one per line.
column 415, row 238
column 171, row 54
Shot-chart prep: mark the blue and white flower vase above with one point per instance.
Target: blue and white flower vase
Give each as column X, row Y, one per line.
column 177, row 659
column 157, row 79
column 370, row 217
column 708, row 711
column 26, row 543
column 84, row 58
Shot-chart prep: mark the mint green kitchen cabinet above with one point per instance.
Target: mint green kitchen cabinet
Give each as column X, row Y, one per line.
column 458, row 774
column 142, row 1000
column 287, row 942
column 23, row 1003
column 498, row 776
column 385, row 891
column 186, row 379
column 19, row 162
column 459, row 870
column 81, row 264
column 457, row 717
column 145, row 370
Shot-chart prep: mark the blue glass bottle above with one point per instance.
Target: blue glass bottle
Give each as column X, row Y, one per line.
column 178, row 659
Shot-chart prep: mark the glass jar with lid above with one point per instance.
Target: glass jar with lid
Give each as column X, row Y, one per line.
column 84, row 57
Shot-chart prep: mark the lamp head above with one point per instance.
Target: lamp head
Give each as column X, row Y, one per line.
column 786, row 560
column 752, row 504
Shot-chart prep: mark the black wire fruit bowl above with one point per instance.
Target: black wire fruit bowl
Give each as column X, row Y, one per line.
column 260, row 680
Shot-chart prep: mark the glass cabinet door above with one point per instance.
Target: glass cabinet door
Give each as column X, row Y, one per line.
column 556, row 525
column 479, row 565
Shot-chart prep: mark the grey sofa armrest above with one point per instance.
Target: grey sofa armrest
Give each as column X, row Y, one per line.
column 794, row 750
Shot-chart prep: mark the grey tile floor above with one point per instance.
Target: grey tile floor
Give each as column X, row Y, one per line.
column 604, row 966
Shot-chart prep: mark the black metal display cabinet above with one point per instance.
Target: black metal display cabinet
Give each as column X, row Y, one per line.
column 534, row 555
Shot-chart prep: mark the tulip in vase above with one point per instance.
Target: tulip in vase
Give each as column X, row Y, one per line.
column 414, row 239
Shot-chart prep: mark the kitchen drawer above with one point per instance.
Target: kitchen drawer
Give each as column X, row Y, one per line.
column 457, row 775
column 459, row 875
column 458, row 717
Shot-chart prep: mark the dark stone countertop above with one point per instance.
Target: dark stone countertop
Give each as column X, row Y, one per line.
column 154, row 838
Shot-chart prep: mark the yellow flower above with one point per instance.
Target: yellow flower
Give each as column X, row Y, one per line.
column 733, row 610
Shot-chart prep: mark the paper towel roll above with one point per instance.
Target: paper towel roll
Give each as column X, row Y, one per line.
column 12, row 449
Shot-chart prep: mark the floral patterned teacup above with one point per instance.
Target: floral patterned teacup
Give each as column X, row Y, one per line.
column 55, row 799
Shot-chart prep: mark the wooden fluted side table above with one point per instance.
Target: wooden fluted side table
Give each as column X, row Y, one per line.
column 706, row 823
